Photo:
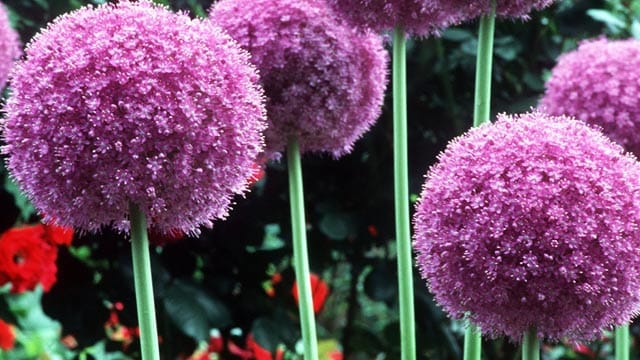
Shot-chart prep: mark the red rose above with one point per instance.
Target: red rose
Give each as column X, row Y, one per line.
column 27, row 258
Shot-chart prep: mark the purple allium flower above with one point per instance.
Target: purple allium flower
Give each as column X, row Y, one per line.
column 425, row 17
column 9, row 46
column 324, row 81
column 533, row 222
column 600, row 83
column 133, row 103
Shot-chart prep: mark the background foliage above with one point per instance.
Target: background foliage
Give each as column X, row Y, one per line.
column 237, row 277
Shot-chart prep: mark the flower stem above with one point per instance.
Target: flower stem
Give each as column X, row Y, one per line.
column 143, row 285
column 472, row 343
column 530, row 346
column 401, row 188
column 481, row 114
column 482, row 111
column 622, row 342
column 300, row 258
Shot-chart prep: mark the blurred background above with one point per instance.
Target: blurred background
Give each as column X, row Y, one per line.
column 227, row 294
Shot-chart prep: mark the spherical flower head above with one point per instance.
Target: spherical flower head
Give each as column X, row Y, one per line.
column 426, row 17
column 10, row 48
column 131, row 103
column 600, row 83
column 324, row 81
column 532, row 222
column 27, row 258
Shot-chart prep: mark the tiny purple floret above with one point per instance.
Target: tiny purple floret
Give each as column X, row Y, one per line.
column 324, row 81
column 132, row 103
column 533, row 221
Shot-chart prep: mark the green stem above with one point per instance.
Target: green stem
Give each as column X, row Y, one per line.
column 300, row 258
column 143, row 285
column 481, row 114
column 622, row 342
column 401, row 188
column 482, row 111
column 530, row 346
column 472, row 343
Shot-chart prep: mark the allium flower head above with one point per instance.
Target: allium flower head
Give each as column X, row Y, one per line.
column 133, row 103
column 324, row 81
column 425, row 17
column 600, row 83
column 533, row 222
column 9, row 45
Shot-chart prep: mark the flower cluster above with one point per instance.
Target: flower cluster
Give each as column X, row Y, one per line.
column 324, row 81
column 533, row 222
column 118, row 332
column 10, row 48
column 251, row 349
column 101, row 117
column 28, row 256
column 319, row 292
column 7, row 336
column 599, row 83
column 425, row 17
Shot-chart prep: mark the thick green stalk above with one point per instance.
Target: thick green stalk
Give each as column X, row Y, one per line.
column 481, row 114
column 143, row 285
column 622, row 342
column 401, row 188
column 472, row 343
column 300, row 258
column 530, row 346
column 482, row 111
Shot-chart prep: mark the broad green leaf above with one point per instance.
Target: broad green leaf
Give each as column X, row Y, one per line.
column 613, row 22
column 194, row 311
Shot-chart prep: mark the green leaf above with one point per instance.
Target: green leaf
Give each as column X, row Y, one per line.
column 635, row 29
column 457, row 35
column 44, row 4
column 99, row 351
column 21, row 201
column 614, row 23
column 270, row 332
column 28, row 311
column 507, row 48
column 338, row 225
column 193, row 311
column 270, row 241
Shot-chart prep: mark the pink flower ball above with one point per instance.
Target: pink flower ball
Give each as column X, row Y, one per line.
column 426, row 17
column 131, row 103
column 10, row 48
column 533, row 221
column 600, row 83
column 324, row 81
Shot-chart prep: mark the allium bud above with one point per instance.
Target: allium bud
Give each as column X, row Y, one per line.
column 533, row 222
column 425, row 17
column 324, row 81
column 600, row 83
column 131, row 103
column 9, row 46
